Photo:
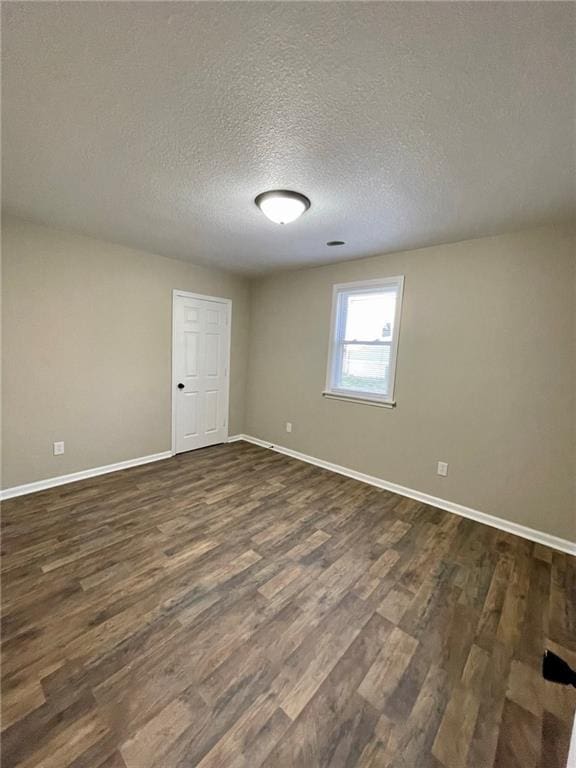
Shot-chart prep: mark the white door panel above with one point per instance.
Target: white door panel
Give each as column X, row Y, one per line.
column 212, row 356
column 211, row 411
column 201, row 349
column 189, row 413
column 191, row 345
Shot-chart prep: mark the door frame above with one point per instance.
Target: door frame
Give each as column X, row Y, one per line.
column 187, row 295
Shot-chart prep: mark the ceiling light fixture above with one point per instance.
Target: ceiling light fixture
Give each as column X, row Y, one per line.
column 335, row 242
column 281, row 205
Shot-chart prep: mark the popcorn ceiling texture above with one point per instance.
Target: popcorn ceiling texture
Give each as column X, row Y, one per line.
column 154, row 125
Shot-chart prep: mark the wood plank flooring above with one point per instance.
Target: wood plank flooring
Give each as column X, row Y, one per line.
column 235, row 608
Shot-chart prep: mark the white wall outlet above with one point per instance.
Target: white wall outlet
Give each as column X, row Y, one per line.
column 288, row 426
column 442, row 468
column 59, row 448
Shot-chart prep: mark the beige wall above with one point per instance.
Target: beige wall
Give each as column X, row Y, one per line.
column 486, row 375
column 87, row 350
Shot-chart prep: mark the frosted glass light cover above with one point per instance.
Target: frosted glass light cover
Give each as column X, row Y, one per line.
column 282, row 206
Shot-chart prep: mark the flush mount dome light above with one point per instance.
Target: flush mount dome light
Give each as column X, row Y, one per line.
column 282, row 206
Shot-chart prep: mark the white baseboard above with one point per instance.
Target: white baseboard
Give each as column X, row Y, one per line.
column 563, row 545
column 52, row 482
column 236, row 438
column 572, row 753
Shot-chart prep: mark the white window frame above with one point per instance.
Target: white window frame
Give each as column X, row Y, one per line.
column 364, row 286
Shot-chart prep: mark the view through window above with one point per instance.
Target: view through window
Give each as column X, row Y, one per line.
column 365, row 338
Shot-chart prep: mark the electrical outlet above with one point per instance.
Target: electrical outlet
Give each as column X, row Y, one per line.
column 59, row 448
column 288, row 426
column 442, row 468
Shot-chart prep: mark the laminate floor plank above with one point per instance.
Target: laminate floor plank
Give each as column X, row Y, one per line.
column 236, row 608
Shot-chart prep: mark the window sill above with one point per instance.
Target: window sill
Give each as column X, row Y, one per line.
column 360, row 400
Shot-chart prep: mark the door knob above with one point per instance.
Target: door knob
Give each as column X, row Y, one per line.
column 181, row 386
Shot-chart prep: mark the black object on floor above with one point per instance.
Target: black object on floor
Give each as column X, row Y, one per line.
column 557, row 670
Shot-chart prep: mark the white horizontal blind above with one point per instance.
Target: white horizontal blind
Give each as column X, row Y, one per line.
column 365, row 339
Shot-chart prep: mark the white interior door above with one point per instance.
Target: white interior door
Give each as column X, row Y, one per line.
column 201, row 347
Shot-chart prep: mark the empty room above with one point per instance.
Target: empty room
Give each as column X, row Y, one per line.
column 288, row 434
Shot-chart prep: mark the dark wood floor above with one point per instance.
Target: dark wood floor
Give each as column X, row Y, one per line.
column 236, row 608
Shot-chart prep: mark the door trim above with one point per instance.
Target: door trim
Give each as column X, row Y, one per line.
column 187, row 295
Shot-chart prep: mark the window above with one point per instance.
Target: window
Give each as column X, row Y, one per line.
column 364, row 340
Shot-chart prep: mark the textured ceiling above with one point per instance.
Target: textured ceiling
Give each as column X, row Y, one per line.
column 406, row 124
